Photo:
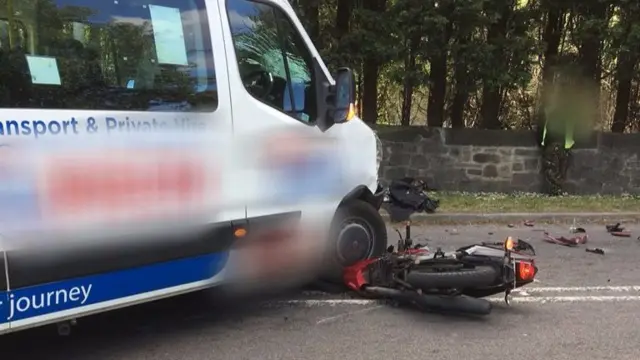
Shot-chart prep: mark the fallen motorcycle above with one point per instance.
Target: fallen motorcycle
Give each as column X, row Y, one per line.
column 455, row 282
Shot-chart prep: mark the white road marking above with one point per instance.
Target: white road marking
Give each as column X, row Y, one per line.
column 540, row 300
column 340, row 316
column 520, row 292
column 329, row 302
column 569, row 299
column 522, row 295
column 629, row 288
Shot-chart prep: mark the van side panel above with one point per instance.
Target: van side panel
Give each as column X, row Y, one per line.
column 37, row 303
column 85, row 257
column 85, row 277
column 4, row 295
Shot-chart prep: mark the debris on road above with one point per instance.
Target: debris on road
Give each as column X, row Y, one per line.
column 617, row 230
column 621, row 233
column 510, row 225
column 614, row 228
column 572, row 228
column 576, row 229
column 595, row 251
column 408, row 196
column 529, row 223
column 561, row 240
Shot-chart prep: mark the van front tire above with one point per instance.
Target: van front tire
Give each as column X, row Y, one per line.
column 358, row 232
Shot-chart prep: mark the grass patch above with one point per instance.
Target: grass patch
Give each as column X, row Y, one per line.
column 458, row 202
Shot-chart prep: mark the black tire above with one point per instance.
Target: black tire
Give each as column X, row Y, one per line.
column 425, row 278
column 356, row 213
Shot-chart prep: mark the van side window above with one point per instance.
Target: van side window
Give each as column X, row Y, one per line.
column 154, row 55
column 275, row 64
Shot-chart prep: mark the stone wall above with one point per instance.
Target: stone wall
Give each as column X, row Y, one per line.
column 506, row 161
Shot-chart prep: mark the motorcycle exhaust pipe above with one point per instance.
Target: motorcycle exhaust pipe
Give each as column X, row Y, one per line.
column 441, row 303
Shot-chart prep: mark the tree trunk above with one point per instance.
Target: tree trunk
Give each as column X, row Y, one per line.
column 312, row 13
column 627, row 60
column 589, row 52
column 343, row 15
column 370, row 92
column 551, row 38
column 624, row 76
column 491, row 99
column 438, row 73
column 371, row 69
column 409, row 82
column 594, row 14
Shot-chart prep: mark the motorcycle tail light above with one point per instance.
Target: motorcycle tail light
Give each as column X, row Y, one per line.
column 526, row 271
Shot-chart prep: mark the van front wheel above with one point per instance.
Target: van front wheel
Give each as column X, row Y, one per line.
column 358, row 233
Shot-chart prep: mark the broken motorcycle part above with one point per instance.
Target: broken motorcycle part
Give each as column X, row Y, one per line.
column 596, row 251
column 561, row 240
column 621, row 233
column 614, row 228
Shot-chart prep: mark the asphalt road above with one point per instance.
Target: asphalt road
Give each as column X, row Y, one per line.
column 584, row 306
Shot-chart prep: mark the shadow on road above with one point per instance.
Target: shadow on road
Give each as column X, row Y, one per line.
column 133, row 326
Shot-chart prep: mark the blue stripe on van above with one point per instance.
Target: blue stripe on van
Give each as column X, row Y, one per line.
column 62, row 295
column 4, row 306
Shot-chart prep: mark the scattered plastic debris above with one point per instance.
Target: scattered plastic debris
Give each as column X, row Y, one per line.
column 617, row 230
column 561, row 240
column 529, row 223
column 614, row 228
column 572, row 228
column 621, row 233
column 595, row 251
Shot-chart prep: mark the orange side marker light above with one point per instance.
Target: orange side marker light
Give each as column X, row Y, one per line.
column 240, row 232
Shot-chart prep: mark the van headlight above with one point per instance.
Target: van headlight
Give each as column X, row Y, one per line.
column 379, row 152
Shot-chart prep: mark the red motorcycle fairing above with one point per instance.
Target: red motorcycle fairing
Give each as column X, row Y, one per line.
column 356, row 276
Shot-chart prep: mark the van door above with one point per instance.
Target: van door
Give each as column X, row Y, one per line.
column 272, row 79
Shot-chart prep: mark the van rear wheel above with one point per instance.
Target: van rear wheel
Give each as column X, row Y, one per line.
column 358, row 233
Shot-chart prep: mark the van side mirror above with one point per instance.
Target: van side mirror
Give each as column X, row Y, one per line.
column 344, row 96
column 336, row 102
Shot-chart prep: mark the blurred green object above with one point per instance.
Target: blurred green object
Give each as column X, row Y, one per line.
column 567, row 117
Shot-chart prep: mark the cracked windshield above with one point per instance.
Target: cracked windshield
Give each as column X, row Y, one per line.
column 319, row 179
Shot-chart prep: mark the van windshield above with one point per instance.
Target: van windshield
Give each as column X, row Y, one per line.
column 113, row 55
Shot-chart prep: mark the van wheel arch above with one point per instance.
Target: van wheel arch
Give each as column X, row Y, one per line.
column 361, row 193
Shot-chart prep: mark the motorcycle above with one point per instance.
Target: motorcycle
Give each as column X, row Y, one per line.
column 457, row 281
